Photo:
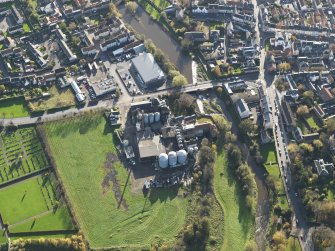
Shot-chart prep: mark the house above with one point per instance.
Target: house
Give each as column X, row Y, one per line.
column 266, row 112
column 15, row 29
column 195, row 36
column 242, row 109
column 110, row 43
column 60, row 34
column 38, row 56
column 67, row 51
column 323, row 169
column 326, row 95
column 89, row 50
column 16, row 14
column 288, row 115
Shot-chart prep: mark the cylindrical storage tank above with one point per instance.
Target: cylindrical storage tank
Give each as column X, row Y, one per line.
column 196, row 149
column 190, row 150
column 163, row 160
column 146, row 118
column 157, row 116
column 151, row 118
column 172, row 158
column 181, row 156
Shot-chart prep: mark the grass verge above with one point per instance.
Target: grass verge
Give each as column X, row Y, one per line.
column 238, row 221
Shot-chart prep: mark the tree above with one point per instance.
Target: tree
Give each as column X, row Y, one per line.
column 251, row 246
column 72, row 26
column 303, row 111
column 173, row 73
column 317, row 144
column 217, row 71
column 279, row 240
column 186, row 103
column 2, row 88
column 309, row 95
column 82, row 61
column 330, row 125
column 179, row 81
column 113, row 11
column 186, row 44
column 131, row 7
column 246, row 126
column 75, row 40
column 74, row 68
column 219, row 91
column 283, row 67
column 150, row 46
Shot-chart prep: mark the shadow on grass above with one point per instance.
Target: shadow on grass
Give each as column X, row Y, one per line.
column 163, row 194
column 71, row 125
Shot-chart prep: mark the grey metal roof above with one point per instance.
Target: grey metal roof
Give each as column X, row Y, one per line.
column 147, row 67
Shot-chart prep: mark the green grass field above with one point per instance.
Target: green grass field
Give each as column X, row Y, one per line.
column 238, row 222
column 13, row 107
column 268, row 151
column 79, row 147
column 59, row 220
column 25, row 199
column 21, row 153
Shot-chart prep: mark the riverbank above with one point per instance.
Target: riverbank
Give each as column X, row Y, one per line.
column 145, row 25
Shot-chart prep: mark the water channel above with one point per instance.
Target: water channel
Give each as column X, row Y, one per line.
column 143, row 24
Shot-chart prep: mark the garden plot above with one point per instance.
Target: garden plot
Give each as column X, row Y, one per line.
column 21, row 153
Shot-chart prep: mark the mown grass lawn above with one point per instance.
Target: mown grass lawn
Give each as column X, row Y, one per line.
column 79, row 147
column 59, row 220
column 238, row 221
column 26, row 27
column 15, row 107
column 24, row 200
column 312, row 123
column 268, row 151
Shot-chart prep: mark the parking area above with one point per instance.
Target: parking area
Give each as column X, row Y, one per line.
column 127, row 79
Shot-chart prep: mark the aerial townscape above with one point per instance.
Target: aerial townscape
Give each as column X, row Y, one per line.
column 167, row 125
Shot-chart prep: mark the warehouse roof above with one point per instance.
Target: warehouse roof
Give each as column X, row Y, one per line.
column 147, row 67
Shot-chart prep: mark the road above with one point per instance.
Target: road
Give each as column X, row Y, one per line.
column 299, row 225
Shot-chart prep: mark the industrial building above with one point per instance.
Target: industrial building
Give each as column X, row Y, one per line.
column 161, row 138
column 146, row 71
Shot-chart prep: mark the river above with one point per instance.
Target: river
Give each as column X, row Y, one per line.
column 143, row 24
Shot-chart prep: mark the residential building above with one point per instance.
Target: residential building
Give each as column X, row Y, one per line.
column 323, row 169
column 67, row 51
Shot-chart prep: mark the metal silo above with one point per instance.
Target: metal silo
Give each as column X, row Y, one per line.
column 163, row 160
column 151, row 118
column 172, row 158
column 157, row 116
column 146, row 118
column 181, row 156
